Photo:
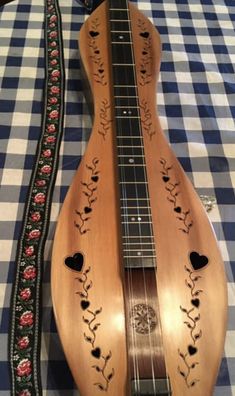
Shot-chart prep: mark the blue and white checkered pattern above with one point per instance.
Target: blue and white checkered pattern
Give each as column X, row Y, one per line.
column 196, row 104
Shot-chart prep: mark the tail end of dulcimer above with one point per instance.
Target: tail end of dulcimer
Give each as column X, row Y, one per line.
column 138, row 282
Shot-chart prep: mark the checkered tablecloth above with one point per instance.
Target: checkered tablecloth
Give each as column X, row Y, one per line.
column 196, row 104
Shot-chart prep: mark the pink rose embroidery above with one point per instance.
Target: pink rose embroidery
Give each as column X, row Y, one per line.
column 26, row 318
column 53, row 18
column 55, row 73
column 29, row 272
column 54, row 114
column 54, row 53
column 23, row 342
column 53, row 62
column 25, row 294
column 47, row 153
column 24, row 368
column 25, row 393
column 53, row 34
column 40, row 183
column 53, row 44
column 51, row 128
column 39, row 198
column 46, row 169
column 35, row 216
column 34, row 234
column 50, row 139
column 55, row 90
column 53, row 100
column 29, row 251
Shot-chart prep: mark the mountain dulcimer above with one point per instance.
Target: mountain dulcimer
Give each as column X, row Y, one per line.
column 138, row 284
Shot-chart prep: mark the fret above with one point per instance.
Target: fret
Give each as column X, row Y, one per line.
column 139, row 262
column 128, row 139
column 124, row 64
column 133, row 237
column 130, row 147
column 137, row 246
column 118, row 42
column 120, row 20
column 135, row 183
column 118, row 9
column 136, row 256
column 135, row 165
column 120, row 31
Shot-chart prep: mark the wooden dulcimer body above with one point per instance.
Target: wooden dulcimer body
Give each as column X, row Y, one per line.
column 138, row 284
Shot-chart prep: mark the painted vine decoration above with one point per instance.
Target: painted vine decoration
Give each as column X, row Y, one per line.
column 192, row 319
column 90, row 319
column 89, row 191
column 146, row 57
column 146, row 120
column 105, row 120
column 172, row 187
column 96, row 56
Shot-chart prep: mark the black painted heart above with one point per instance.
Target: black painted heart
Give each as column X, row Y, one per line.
column 96, row 352
column 87, row 209
column 177, row 209
column 75, row 263
column 93, row 33
column 198, row 261
column 165, row 179
column 85, row 304
column 195, row 302
column 144, row 34
column 192, row 350
column 95, row 178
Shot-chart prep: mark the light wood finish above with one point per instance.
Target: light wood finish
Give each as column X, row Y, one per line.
column 102, row 253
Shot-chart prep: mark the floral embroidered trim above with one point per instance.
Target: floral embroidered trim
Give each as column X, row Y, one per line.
column 24, row 338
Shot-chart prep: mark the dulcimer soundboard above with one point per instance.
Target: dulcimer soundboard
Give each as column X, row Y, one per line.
column 138, row 283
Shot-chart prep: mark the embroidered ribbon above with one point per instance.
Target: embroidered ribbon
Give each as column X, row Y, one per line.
column 24, row 337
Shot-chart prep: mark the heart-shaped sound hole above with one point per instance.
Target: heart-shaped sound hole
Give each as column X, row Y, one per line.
column 177, row 209
column 195, row 302
column 165, row 179
column 192, row 350
column 95, row 179
column 93, row 33
column 96, row 352
column 144, row 34
column 101, row 71
column 198, row 261
column 85, row 304
column 75, row 263
column 87, row 209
